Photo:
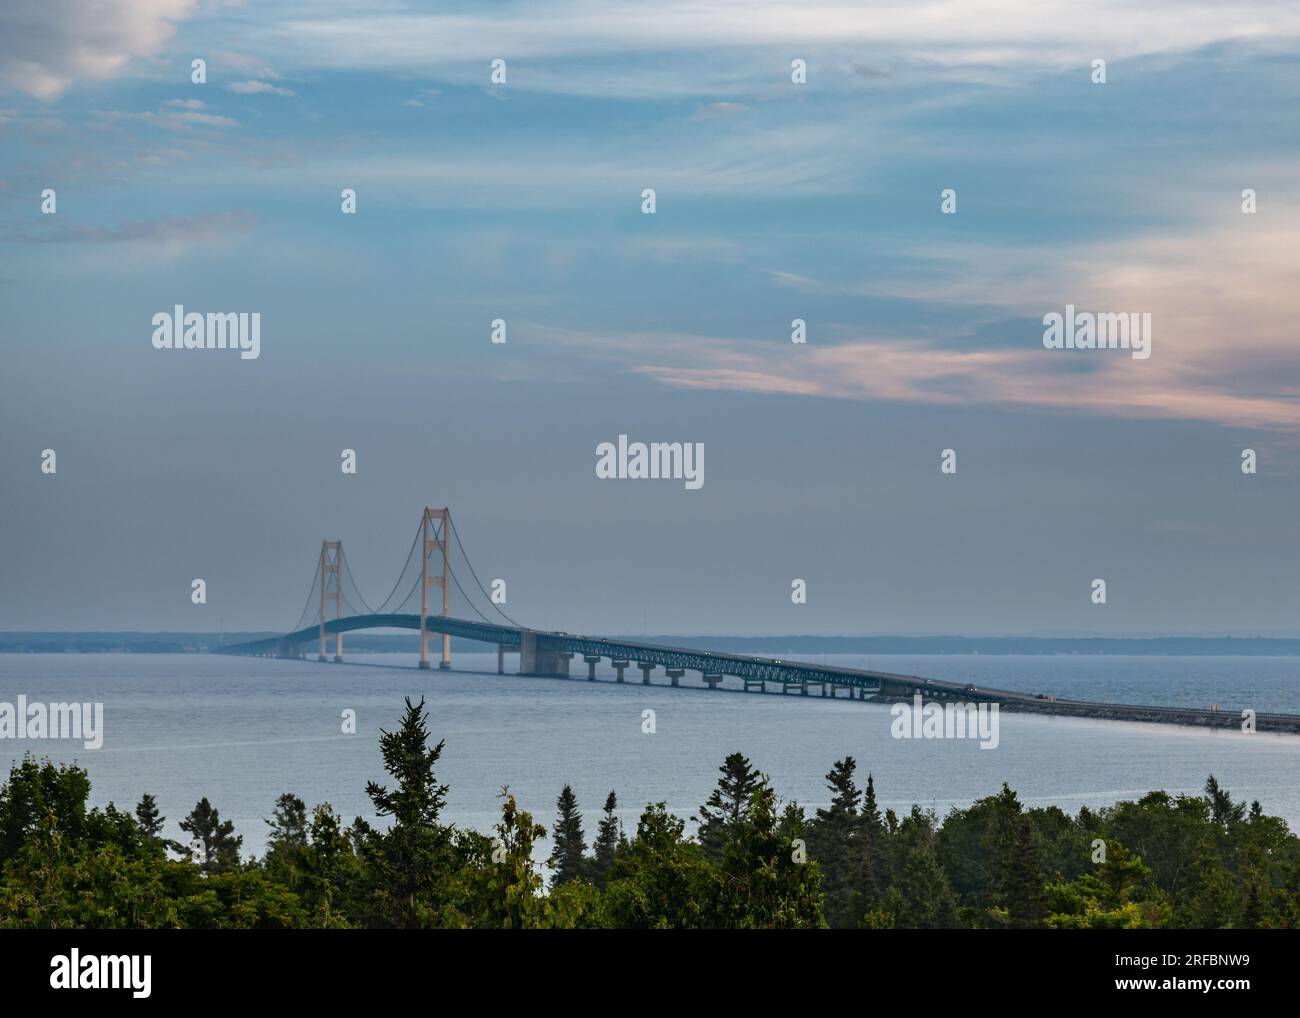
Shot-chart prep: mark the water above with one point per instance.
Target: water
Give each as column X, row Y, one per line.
column 243, row 730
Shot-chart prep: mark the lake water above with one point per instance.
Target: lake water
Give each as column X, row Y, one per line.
column 243, row 730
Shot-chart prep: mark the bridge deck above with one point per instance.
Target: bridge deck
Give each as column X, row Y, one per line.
column 763, row 669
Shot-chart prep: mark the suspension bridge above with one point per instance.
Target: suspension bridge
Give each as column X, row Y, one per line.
column 437, row 563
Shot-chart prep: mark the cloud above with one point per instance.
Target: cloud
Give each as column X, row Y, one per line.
column 47, row 45
column 257, row 88
column 720, row 109
column 1016, row 38
column 1223, row 305
column 172, row 232
column 172, row 118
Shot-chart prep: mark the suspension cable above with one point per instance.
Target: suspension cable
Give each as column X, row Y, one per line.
column 461, row 545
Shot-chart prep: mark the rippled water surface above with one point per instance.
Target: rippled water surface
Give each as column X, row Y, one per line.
column 241, row 731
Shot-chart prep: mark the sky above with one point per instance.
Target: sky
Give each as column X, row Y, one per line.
column 775, row 200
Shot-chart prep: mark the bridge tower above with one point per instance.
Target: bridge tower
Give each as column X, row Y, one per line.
column 331, row 589
column 434, row 533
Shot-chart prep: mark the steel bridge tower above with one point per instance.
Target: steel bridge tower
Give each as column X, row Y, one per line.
column 434, row 535
column 331, row 589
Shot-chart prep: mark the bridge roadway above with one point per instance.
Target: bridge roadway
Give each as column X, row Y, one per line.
column 549, row 653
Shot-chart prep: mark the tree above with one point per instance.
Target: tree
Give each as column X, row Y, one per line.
column 729, row 804
column 288, row 823
column 1021, row 885
column 766, row 883
column 919, row 896
column 661, row 880
column 1223, row 811
column 412, row 860
column 212, row 838
column 147, row 816
column 506, row 889
column 568, row 859
column 837, row 839
column 37, row 790
column 609, row 841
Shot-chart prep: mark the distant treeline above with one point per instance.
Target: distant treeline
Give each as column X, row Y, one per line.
column 1201, row 862
column 762, row 646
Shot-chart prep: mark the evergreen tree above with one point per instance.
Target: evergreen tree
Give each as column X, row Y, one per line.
column 568, row 858
column 288, row 822
column 766, row 884
column 147, row 816
column 919, row 897
column 661, row 880
column 609, row 841
column 1223, row 811
column 836, row 839
column 213, row 840
column 1022, row 884
column 729, row 804
column 505, row 890
column 411, row 861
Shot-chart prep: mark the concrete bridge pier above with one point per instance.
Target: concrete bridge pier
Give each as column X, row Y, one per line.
column 541, row 660
column 501, row 658
column 760, row 683
column 646, row 668
column 674, row 673
column 712, row 679
column 620, row 667
column 592, row 660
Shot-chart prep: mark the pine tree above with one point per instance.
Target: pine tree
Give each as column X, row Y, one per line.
column 920, row 896
column 568, row 859
column 1022, row 892
column 766, row 885
column 873, row 843
column 730, row 803
column 147, row 816
column 288, row 823
column 836, row 841
column 609, row 841
column 214, row 840
column 1223, row 810
column 412, row 859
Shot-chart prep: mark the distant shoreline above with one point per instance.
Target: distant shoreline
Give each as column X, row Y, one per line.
column 402, row 643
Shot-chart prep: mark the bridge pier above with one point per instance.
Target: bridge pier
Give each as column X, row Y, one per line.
column 760, row 683
column 592, row 660
column 620, row 667
column 712, row 679
column 646, row 668
column 541, row 660
column 501, row 658
column 674, row 673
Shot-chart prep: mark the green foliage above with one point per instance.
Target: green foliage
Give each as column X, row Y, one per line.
column 213, row 840
column 1163, row 861
column 729, row 803
column 568, row 859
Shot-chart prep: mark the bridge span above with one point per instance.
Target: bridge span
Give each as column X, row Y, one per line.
column 549, row 653
column 545, row 653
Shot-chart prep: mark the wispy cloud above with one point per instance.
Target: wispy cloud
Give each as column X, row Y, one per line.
column 1223, row 306
column 253, row 87
column 171, row 232
column 857, row 42
column 46, row 45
